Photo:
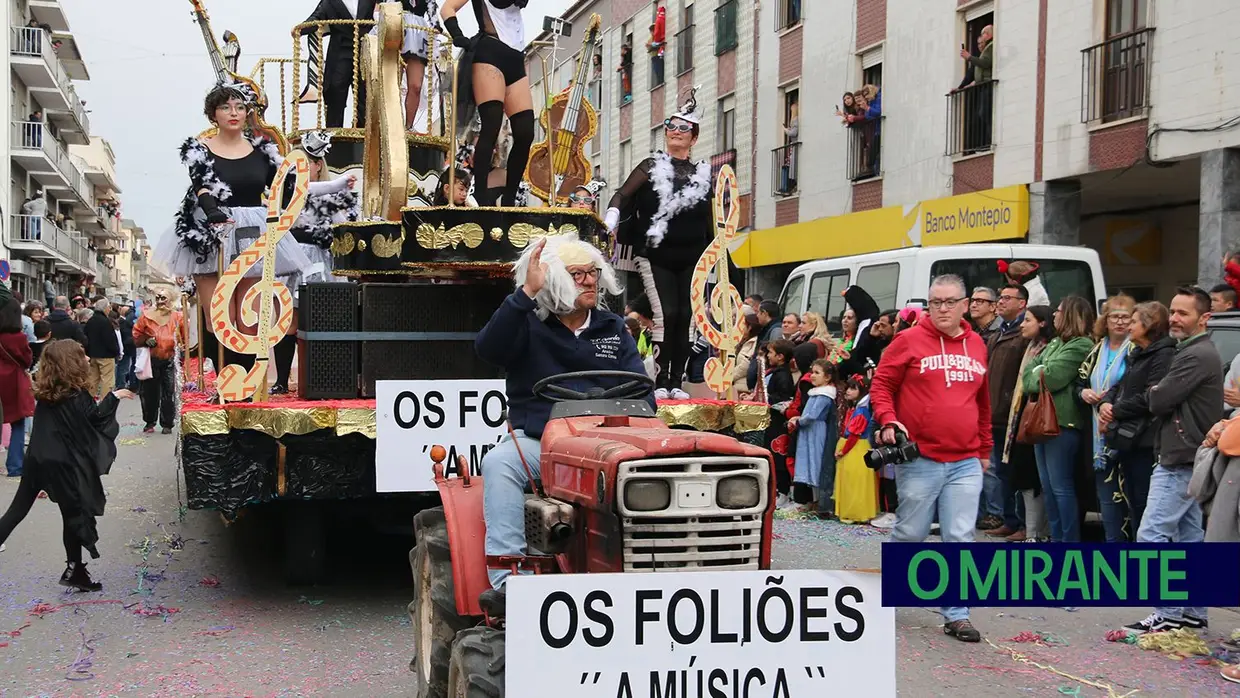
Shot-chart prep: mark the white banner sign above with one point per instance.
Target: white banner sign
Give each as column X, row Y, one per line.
column 770, row 634
column 464, row 416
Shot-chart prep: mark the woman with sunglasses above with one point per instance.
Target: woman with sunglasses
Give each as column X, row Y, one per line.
column 663, row 212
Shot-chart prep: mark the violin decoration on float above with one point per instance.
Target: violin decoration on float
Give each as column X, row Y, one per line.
column 235, row 383
column 225, row 76
column 560, row 165
column 718, row 316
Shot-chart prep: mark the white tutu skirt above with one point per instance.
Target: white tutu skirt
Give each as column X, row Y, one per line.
column 175, row 259
column 319, row 269
column 416, row 41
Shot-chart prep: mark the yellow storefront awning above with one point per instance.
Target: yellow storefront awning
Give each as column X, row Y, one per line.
column 983, row 216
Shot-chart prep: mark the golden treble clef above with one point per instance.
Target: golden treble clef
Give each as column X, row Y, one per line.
column 235, row 383
column 719, row 317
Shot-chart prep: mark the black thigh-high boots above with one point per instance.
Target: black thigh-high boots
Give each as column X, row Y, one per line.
column 522, row 125
column 492, row 116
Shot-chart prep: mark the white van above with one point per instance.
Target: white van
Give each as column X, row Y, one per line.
column 897, row 277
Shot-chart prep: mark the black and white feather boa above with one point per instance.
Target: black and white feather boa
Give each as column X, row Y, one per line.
column 195, row 234
column 671, row 201
column 314, row 225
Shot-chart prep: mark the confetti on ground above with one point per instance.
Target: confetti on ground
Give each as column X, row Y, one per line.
column 312, row 602
column 1180, row 643
column 1044, row 639
column 132, row 442
column 1018, row 656
column 210, row 582
column 1121, row 636
column 217, row 630
column 139, row 510
column 156, row 610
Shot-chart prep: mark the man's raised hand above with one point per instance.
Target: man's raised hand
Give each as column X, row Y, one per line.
column 536, row 274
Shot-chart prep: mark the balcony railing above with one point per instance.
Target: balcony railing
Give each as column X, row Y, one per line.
column 34, row 42
column 865, row 149
column 38, row 230
column 32, row 135
column 784, row 167
column 718, row 160
column 787, row 14
column 970, row 118
column 1115, row 78
column 684, row 50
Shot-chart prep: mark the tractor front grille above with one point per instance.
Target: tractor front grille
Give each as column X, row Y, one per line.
column 704, row 543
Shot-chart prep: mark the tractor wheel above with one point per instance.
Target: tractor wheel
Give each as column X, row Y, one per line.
column 477, row 668
column 435, row 620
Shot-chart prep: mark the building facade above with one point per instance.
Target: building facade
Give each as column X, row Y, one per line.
column 1106, row 123
column 708, row 44
column 62, row 212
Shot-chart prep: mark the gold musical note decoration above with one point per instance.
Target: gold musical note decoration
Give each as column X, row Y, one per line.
column 235, row 383
column 719, row 317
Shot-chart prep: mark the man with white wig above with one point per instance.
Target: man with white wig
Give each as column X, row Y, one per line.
column 551, row 324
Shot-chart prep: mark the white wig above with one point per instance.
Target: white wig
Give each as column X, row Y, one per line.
column 559, row 295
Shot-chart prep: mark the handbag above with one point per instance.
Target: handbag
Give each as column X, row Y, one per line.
column 1123, row 436
column 142, row 364
column 1038, row 422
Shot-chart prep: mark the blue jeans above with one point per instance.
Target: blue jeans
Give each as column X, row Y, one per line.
column 124, row 371
column 17, row 448
column 503, row 498
column 993, row 502
column 951, row 490
column 1056, row 469
column 1172, row 516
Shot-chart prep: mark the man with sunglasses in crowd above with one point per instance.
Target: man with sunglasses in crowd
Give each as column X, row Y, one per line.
column 983, row 312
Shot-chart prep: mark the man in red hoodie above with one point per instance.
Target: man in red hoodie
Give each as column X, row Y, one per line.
column 931, row 385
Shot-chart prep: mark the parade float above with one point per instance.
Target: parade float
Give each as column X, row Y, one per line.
column 416, row 283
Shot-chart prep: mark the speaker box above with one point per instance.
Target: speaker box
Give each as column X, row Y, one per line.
column 327, row 369
column 426, row 308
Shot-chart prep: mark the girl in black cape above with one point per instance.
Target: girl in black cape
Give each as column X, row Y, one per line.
column 72, row 445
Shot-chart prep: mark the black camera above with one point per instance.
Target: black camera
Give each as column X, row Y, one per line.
column 902, row 451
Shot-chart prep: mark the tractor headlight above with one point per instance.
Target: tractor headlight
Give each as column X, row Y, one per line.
column 738, row 492
column 647, row 495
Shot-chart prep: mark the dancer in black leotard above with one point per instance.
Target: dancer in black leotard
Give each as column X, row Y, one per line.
column 492, row 76
column 665, row 207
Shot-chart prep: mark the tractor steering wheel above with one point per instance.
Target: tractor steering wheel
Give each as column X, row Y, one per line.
column 638, row 386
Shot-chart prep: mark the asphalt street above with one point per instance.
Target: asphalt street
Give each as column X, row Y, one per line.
column 191, row 607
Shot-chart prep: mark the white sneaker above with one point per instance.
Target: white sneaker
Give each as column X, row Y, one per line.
column 678, row 394
column 660, row 394
column 885, row 520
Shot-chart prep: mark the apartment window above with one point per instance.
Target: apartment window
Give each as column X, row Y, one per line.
column 626, row 158
column 865, row 126
column 1116, row 72
column 970, row 106
column 655, row 133
column 725, row 26
column 727, row 123
column 787, row 14
column 626, row 64
column 657, row 47
column 684, row 40
column 785, row 160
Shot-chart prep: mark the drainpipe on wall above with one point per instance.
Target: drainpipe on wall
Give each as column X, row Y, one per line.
column 753, row 126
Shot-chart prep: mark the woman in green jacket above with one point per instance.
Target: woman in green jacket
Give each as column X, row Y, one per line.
column 1059, row 364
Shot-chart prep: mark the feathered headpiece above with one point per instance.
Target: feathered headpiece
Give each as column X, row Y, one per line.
column 316, row 144
column 594, row 186
column 243, row 91
column 689, row 110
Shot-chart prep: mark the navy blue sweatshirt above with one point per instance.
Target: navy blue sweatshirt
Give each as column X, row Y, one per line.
column 530, row 349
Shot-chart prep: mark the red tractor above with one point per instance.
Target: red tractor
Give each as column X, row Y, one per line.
column 621, row 492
